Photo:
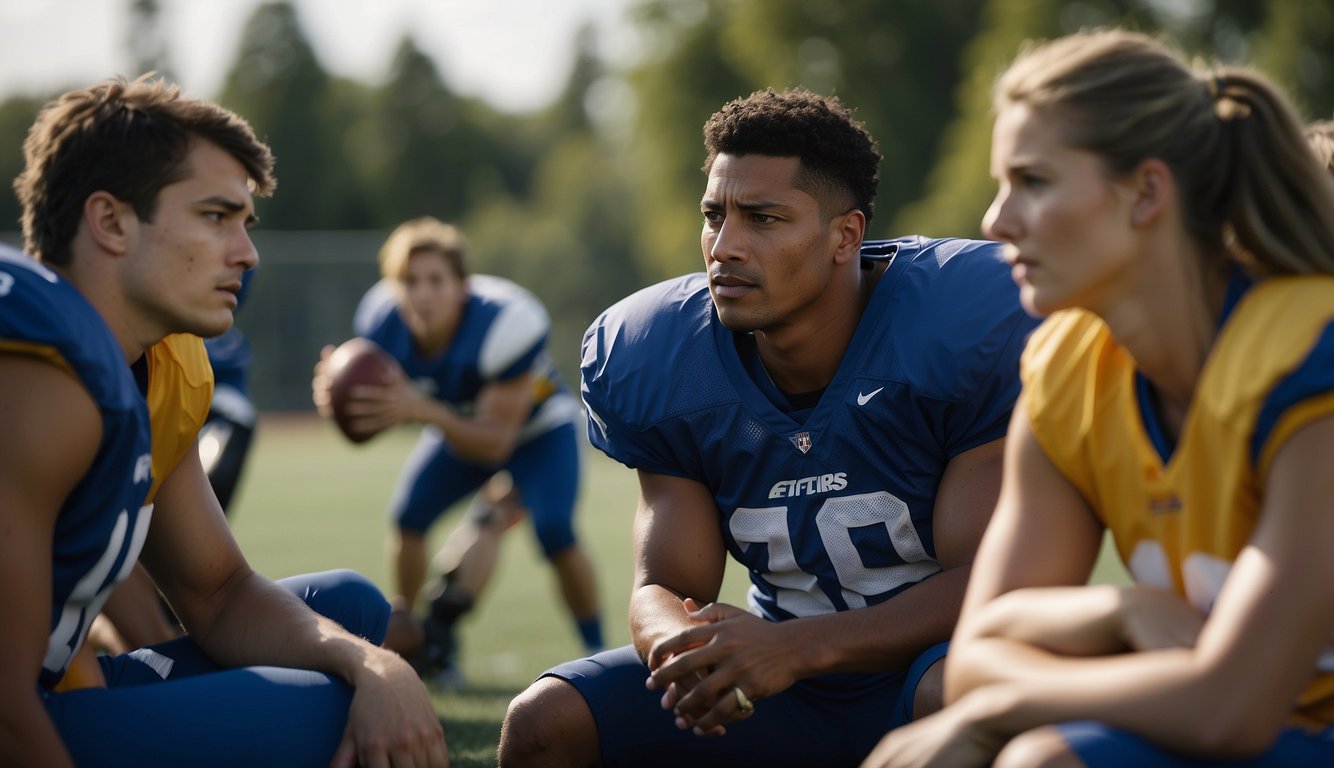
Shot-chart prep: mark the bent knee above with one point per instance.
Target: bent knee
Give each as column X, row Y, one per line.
column 549, row 724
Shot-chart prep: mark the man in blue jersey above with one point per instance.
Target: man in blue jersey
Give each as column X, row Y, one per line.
column 828, row 413
column 137, row 202
column 499, row 421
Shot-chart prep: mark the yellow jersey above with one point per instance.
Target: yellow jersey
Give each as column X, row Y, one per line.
column 180, row 388
column 1181, row 514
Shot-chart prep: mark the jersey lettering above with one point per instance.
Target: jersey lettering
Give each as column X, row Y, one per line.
column 808, row 486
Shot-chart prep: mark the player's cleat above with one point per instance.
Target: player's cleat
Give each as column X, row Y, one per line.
column 439, row 649
column 404, row 634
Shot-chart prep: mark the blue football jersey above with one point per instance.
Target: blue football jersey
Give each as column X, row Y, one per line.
column 829, row 509
column 101, row 527
column 502, row 335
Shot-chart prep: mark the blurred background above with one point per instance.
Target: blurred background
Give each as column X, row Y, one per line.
column 564, row 135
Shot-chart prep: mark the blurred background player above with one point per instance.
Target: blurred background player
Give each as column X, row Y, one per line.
column 1172, row 226
column 498, row 420
column 830, row 416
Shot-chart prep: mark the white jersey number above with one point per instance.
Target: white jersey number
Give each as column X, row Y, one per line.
column 797, row 591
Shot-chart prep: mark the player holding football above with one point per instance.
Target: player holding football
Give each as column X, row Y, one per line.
column 1174, row 228
column 475, row 372
column 137, row 201
column 829, row 415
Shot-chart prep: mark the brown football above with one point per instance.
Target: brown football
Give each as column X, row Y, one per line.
column 355, row 362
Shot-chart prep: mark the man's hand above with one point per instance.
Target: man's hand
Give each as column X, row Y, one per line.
column 319, row 384
column 392, row 722
column 700, row 668
column 373, row 408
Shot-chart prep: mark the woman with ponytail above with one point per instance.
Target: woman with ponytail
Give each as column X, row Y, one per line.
column 1176, row 231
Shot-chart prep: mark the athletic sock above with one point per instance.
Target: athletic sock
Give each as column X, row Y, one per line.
column 590, row 631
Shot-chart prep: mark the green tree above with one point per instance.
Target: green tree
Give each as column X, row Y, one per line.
column 1295, row 46
column 895, row 63
column 682, row 80
column 16, row 115
column 280, row 87
column 959, row 188
column 423, row 150
column 567, row 239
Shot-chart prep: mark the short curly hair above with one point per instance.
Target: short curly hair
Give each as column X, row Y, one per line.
column 840, row 160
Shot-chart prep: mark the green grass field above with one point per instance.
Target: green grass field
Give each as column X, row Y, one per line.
column 312, row 501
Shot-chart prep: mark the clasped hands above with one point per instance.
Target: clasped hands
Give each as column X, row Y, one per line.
column 711, row 672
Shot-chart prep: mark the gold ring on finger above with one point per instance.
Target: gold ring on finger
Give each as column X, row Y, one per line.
column 743, row 701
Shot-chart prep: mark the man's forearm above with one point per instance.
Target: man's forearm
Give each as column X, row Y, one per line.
column 476, row 440
column 888, row 636
column 261, row 623
column 655, row 613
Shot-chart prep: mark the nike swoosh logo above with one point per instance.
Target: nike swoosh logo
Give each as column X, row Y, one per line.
column 866, row 398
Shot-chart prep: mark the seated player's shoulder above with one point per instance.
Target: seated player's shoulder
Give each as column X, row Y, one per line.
column 957, row 309
column 1278, row 322
column 44, row 316
column 637, row 351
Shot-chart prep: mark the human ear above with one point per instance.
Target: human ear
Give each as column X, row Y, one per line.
column 1154, row 189
column 848, row 229
column 111, row 223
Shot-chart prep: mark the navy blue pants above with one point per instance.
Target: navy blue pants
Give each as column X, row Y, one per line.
column 169, row 705
column 828, row 721
column 544, row 469
column 1102, row 747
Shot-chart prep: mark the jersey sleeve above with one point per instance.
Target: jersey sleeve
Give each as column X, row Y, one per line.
column 516, row 338
column 629, row 353
column 1285, row 325
column 971, row 331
